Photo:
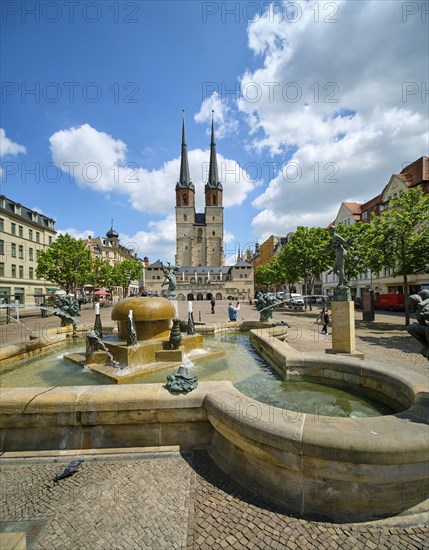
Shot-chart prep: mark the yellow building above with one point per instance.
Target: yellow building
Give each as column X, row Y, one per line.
column 24, row 233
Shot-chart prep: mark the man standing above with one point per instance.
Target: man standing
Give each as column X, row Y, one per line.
column 213, row 303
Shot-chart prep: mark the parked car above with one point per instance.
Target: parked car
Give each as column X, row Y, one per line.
column 296, row 301
column 391, row 302
column 318, row 299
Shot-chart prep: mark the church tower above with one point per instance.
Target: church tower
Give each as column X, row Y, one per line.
column 185, row 207
column 214, row 209
column 199, row 236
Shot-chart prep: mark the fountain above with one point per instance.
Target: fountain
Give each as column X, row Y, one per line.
column 308, row 462
column 145, row 341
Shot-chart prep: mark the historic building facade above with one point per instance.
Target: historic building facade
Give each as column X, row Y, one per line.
column 415, row 174
column 201, row 273
column 111, row 251
column 199, row 236
column 24, row 233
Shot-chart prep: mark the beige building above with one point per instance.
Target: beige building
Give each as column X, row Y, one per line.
column 111, row 251
column 233, row 282
column 24, row 233
column 413, row 175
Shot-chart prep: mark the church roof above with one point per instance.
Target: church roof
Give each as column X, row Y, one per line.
column 213, row 180
column 242, row 263
column 184, row 176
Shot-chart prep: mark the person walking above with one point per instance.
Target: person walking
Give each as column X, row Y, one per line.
column 233, row 311
column 213, row 303
column 324, row 319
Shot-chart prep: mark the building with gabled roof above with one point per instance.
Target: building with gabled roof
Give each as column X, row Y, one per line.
column 412, row 175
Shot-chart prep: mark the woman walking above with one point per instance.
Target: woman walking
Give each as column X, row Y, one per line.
column 324, row 319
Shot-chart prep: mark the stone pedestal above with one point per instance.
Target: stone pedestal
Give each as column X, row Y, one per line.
column 343, row 328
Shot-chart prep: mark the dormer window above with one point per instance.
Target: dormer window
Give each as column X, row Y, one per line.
column 18, row 209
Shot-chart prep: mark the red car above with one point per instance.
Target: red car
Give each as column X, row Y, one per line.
column 391, row 302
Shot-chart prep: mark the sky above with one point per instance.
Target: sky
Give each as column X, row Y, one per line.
column 315, row 103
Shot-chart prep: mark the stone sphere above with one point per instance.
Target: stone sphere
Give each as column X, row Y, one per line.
column 144, row 309
column 151, row 316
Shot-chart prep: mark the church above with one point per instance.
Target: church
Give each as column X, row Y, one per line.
column 202, row 273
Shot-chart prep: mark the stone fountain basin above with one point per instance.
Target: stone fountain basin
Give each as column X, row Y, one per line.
column 340, row 469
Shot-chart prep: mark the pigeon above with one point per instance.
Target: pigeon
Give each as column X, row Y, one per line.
column 68, row 470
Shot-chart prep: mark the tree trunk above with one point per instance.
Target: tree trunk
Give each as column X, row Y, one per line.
column 406, row 294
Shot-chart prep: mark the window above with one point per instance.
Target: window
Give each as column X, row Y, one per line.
column 185, row 218
column 1, row 246
column 20, row 231
column 13, row 250
column 50, row 240
column 37, row 255
column 1, row 269
column 214, row 200
column 30, row 254
column 18, row 209
column 2, row 203
column 13, row 228
column 1, row 224
column 37, row 237
column 30, row 234
column 21, row 272
column 30, row 273
column 184, row 199
column 13, row 270
column 21, row 252
column 213, row 233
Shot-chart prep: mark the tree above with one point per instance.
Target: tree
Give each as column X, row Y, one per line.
column 125, row 272
column 269, row 274
column 101, row 274
column 399, row 238
column 303, row 254
column 66, row 263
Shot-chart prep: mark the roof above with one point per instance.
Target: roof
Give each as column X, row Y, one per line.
column 28, row 214
column 416, row 172
column 242, row 263
column 354, row 207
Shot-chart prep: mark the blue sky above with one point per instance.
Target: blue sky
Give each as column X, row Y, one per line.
column 315, row 103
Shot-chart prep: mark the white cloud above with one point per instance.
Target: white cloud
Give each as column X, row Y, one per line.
column 334, row 93
column 158, row 242
column 214, row 105
column 8, row 147
column 76, row 233
column 98, row 161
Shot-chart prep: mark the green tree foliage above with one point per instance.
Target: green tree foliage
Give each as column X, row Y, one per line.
column 126, row 272
column 101, row 274
column 302, row 255
column 269, row 275
column 66, row 263
column 399, row 238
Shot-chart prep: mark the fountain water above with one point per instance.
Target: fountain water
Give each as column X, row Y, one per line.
column 144, row 343
column 32, row 333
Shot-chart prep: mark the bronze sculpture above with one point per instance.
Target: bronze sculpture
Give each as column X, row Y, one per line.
column 339, row 245
column 419, row 305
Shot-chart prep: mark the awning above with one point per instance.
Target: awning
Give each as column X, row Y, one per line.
column 52, row 288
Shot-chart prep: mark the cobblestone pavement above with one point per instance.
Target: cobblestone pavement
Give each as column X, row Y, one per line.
column 158, row 502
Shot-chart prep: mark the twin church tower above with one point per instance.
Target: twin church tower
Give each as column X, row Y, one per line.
column 199, row 236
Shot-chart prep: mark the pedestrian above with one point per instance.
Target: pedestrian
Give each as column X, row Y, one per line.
column 324, row 319
column 213, row 303
column 232, row 311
